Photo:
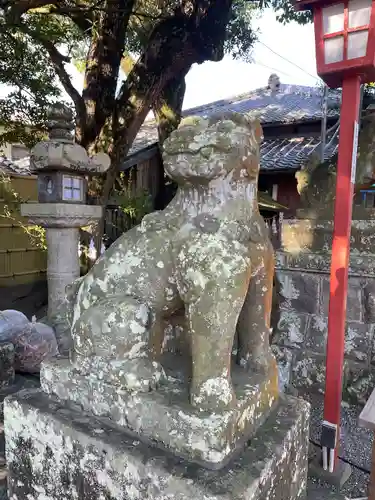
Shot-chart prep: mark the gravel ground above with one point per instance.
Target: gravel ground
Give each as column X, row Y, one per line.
column 316, row 492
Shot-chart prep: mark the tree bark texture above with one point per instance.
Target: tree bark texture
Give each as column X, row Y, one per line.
column 175, row 44
column 168, row 107
column 103, row 66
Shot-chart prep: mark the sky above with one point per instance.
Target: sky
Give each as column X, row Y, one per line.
column 212, row 81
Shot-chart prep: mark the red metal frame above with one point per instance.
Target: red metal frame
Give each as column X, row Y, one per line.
column 340, row 253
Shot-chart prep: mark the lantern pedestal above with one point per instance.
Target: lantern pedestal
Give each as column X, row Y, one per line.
column 62, row 222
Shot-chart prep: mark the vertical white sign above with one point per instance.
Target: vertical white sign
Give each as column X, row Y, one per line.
column 354, row 154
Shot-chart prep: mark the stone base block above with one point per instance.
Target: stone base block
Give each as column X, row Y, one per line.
column 56, row 451
column 20, row 382
column 6, row 364
column 165, row 416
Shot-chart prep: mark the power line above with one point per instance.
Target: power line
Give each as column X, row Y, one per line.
column 288, row 60
column 257, row 63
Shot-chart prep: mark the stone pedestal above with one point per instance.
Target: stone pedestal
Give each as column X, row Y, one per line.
column 56, row 451
column 62, row 222
column 165, row 417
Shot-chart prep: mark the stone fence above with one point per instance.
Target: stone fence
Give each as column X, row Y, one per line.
column 303, row 276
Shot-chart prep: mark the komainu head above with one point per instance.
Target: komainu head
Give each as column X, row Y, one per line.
column 204, row 149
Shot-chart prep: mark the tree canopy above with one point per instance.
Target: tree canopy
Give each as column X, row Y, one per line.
column 163, row 38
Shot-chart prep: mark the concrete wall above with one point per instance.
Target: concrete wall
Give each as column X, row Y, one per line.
column 302, row 273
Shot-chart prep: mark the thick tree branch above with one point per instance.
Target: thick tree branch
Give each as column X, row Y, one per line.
column 80, row 13
column 82, row 18
column 76, row 11
column 174, row 45
column 168, row 107
column 103, row 65
column 168, row 113
column 19, row 7
column 58, row 61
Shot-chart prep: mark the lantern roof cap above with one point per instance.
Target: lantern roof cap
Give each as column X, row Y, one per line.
column 60, row 152
column 60, row 122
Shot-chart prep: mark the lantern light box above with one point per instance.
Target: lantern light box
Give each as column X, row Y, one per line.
column 57, row 187
column 344, row 38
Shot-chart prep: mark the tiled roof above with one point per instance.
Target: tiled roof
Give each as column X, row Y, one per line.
column 17, row 167
column 290, row 104
column 147, row 136
column 291, row 153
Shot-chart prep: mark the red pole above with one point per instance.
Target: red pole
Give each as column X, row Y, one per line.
column 340, row 253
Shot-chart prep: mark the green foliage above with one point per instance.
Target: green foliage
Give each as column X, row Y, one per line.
column 68, row 26
column 79, row 54
column 26, row 69
column 12, row 211
column 133, row 203
column 239, row 41
column 240, row 35
column 286, row 12
column 368, row 94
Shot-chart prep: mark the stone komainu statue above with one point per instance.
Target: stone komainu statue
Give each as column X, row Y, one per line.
column 207, row 254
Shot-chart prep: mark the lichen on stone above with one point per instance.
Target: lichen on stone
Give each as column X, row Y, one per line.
column 206, row 256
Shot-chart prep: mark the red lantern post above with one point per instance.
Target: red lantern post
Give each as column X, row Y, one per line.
column 345, row 55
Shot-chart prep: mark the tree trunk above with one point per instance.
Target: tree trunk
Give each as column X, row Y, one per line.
column 168, row 113
column 175, row 44
column 168, row 107
column 102, row 68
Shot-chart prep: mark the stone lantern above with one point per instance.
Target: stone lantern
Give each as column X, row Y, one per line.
column 62, row 168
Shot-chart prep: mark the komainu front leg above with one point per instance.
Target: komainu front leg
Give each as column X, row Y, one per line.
column 253, row 326
column 213, row 279
column 212, row 322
